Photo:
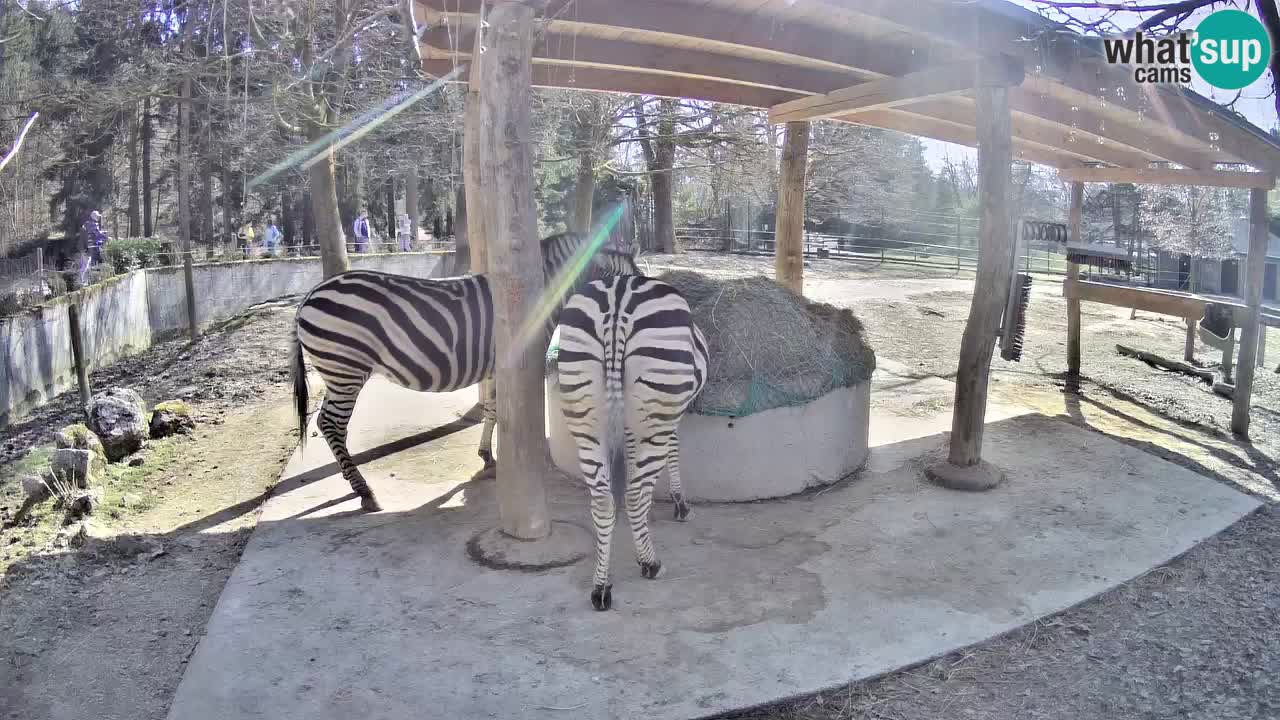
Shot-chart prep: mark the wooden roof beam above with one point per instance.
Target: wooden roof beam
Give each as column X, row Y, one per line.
column 716, row 25
column 1032, row 129
column 894, row 91
column 636, row 83
column 946, row 131
column 1093, row 126
column 635, row 57
column 1162, row 176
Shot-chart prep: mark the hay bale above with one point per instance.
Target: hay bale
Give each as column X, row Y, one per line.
column 768, row 346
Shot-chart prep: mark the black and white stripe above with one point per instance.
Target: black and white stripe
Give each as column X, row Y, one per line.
column 425, row 335
column 631, row 361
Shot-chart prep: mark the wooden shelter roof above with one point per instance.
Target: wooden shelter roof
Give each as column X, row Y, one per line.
column 1071, row 111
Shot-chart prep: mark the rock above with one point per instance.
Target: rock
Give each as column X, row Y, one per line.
column 81, row 506
column 129, row 500
column 78, row 437
column 172, row 418
column 35, row 488
column 78, row 468
column 118, row 418
column 75, row 535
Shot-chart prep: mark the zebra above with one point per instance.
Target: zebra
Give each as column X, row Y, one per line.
column 425, row 335
column 631, row 361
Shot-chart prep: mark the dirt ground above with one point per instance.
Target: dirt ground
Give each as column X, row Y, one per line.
column 105, row 632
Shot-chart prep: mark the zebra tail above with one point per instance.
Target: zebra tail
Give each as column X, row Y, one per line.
column 615, row 436
column 298, row 369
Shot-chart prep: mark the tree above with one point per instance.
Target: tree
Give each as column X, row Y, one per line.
column 1158, row 17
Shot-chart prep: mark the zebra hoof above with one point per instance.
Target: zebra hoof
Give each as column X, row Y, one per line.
column 487, row 457
column 682, row 512
column 369, row 503
column 650, row 571
column 602, row 597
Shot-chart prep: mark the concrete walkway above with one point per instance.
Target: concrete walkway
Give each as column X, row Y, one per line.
column 334, row 614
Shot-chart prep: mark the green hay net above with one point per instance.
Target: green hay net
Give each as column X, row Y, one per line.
column 769, row 347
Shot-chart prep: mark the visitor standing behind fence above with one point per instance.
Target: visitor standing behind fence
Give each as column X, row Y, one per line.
column 361, row 229
column 405, row 231
column 92, row 239
column 272, row 238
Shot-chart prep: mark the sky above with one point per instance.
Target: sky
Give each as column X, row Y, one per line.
column 1254, row 103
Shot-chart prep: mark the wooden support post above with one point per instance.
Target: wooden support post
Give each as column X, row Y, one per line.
column 1074, row 216
column 788, row 247
column 1189, row 347
column 1229, row 357
column 472, row 172
column 1262, row 345
column 1256, row 263
column 514, row 267
column 77, row 356
column 965, row 469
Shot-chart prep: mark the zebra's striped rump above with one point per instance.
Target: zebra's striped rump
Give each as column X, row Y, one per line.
column 630, row 363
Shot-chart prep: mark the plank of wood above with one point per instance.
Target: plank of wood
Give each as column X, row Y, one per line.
column 893, row 91
column 1151, row 358
column 995, row 153
column 1165, row 176
column 789, row 248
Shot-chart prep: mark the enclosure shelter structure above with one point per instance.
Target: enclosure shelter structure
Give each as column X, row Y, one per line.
column 987, row 73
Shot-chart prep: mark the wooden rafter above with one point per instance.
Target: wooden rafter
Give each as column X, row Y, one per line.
column 753, row 51
column 1162, row 176
column 895, row 91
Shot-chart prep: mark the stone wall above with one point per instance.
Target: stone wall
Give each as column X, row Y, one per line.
column 126, row 314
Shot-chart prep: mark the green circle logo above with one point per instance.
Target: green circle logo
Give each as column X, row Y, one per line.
column 1231, row 49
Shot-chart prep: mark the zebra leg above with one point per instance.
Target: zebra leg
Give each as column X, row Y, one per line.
column 335, row 414
column 602, row 516
column 639, row 502
column 682, row 512
column 488, row 400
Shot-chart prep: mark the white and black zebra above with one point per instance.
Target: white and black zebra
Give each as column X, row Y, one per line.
column 631, row 361
column 425, row 335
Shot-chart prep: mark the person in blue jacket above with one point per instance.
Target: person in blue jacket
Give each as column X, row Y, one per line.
column 92, row 240
column 361, row 229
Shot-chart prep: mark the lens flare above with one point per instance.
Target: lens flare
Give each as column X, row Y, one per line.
column 317, row 150
column 560, row 285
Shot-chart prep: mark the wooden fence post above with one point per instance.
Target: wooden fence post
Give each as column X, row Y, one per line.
column 77, row 356
column 1074, row 216
column 1189, row 348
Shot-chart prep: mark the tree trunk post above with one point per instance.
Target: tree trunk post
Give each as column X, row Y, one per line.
column 184, row 204
column 514, row 266
column 1228, row 358
column 411, row 202
column 77, row 356
column 788, row 262
column 964, row 469
column 1258, row 236
column 1075, row 213
column 1189, row 348
column 472, row 170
